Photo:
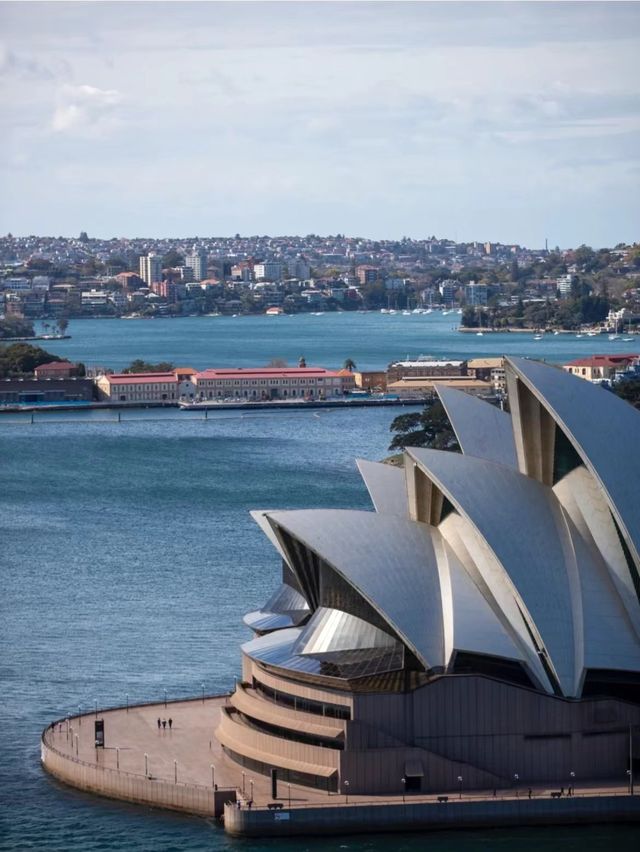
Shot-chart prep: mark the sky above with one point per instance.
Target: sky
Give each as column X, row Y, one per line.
column 510, row 122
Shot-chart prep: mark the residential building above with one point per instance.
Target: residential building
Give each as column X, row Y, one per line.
column 602, row 368
column 475, row 294
column 198, row 261
column 151, row 268
column 268, row 271
column 448, row 291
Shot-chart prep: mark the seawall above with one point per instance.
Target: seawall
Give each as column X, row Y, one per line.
column 397, row 817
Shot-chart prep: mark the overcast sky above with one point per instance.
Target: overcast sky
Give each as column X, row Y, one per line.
column 494, row 121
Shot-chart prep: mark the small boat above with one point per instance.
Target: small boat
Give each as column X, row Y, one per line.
column 479, row 333
column 579, row 335
column 393, row 312
column 460, row 311
column 627, row 339
column 592, row 334
column 445, row 313
column 384, row 311
column 537, row 337
column 614, row 337
column 406, row 313
column 556, row 332
column 429, row 311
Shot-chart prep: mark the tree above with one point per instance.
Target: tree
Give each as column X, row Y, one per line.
column 430, row 427
column 349, row 365
column 140, row 366
column 21, row 359
column 63, row 324
column 172, row 258
column 15, row 327
column 629, row 389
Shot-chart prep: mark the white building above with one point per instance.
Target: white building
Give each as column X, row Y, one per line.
column 268, row 271
column 198, row 261
column 151, row 268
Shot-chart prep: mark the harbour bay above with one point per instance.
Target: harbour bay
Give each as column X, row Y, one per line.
column 128, row 555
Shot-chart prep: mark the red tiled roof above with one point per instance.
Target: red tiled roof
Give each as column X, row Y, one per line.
column 602, row 361
column 140, row 378
column 56, row 365
column 267, row 373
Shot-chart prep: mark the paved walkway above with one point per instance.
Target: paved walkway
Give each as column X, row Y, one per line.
column 189, row 748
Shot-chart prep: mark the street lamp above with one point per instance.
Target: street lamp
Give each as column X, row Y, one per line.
column 202, row 693
column 346, row 792
column 79, row 714
column 572, row 775
column 404, row 788
column 460, row 783
column 243, row 780
column 127, row 702
column 146, row 764
column 76, row 739
column 516, row 778
column 213, row 775
column 117, row 758
column 175, row 771
column 251, row 786
column 289, row 787
column 629, row 776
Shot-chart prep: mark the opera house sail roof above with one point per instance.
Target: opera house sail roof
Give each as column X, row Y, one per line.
column 518, row 555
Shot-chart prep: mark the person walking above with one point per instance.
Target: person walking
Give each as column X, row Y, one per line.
column 170, row 723
column 164, row 723
column 159, row 723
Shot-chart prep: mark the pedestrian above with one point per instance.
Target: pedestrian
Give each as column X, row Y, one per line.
column 164, row 723
column 170, row 723
column 159, row 723
column 562, row 791
column 529, row 792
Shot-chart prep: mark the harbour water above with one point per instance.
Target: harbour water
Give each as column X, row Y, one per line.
column 371, row 339
column 128, row 558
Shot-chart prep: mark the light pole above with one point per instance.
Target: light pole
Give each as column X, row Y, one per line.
column 460, row 783
column 289, row 788
column 404, row 788
column 175, row 771
column 516, row 778
column 213, row 775
column 243, row 780
column 346, row 792
column 146, row 764
column 79, row 715
column 127, row 702
column 251, row 786
column 76, row 739
column 572, row 775
column 629, row 777
column 202, row 693
column 117, row 758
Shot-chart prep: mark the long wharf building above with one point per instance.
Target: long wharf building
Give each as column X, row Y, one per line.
column 480, row 627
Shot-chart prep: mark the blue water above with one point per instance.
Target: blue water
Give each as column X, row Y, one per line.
column 127, row 559
column 371, row 339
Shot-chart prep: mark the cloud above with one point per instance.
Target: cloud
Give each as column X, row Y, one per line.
column 85, row 109
column 24, row 67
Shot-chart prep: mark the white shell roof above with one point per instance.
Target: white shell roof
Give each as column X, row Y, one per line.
column 522, row 523
column 482, row 429
column 386, row 486
column 388, row 560
column 604, row 429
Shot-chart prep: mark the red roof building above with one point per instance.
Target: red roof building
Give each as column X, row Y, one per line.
column 55, row 370
column 264, row 383
column 598, row 368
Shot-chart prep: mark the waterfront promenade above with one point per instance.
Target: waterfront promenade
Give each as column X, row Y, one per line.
column 183, row 768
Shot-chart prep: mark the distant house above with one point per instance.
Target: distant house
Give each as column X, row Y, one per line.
column 602, row 368
column 55, row 370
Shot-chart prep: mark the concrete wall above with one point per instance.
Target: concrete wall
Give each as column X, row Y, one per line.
column 353, row 819
column 133, row 788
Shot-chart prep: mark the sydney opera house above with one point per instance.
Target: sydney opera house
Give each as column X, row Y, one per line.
column 479, row 629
